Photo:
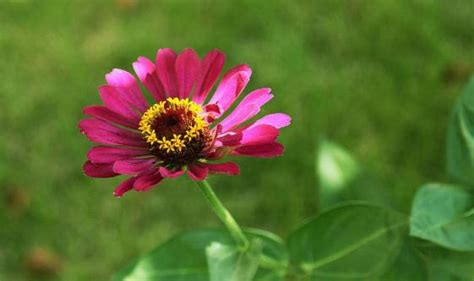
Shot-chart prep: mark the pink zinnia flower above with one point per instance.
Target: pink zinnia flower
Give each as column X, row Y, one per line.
column 181, row 131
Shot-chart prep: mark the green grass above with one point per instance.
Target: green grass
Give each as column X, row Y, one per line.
column 379, row 77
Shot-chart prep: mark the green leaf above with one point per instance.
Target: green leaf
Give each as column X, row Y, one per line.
column 350, row 242
column 229, row 263
column 455, row 264
column 183, row 258
column 342, row 179
column 408, row 265
column 460, row 146
column 445, row 264
column 444, row 214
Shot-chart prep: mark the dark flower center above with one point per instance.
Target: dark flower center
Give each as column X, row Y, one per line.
column 176, row 131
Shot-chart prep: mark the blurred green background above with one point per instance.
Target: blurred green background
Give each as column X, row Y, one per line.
column 378, row 77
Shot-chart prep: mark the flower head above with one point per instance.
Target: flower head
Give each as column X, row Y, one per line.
column 182, row 131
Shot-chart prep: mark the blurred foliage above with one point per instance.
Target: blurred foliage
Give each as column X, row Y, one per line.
column 441, row 221
column 379, row 77
column 461, row 138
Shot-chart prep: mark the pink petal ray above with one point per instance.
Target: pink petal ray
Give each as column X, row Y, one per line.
column 261, row 150
column 125, row 82
column 247, row 108
column 132, row 166
column 116, row 101
column 103, row 113
column 197, row 173
column 209, row 71
column 237, row 117
column 165, row 66
column 147, row 180
column 124, row 187
column 146, row 72
column 109, row 154
column 228, row 168
column 187, row 67
column 261, row 134
column 231, row 86
column 277, row 120
column 171, row 173
column 97, row 170
column 102, row 132
column 229, row 139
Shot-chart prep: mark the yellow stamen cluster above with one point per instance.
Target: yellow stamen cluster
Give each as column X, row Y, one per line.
column 179, row 141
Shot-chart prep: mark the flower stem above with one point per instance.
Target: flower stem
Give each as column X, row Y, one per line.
column 224, row 215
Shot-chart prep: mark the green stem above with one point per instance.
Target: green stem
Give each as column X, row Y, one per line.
column 224, row 215
column 270, row 263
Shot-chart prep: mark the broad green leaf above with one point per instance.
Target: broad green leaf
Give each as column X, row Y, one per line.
column 183, row 258
column 456, row 265
column 342, row 179
column 444, row 264
column 408, row 265
column 351, row 242
column 444, row 214
column 460, row 146
column 229, row 263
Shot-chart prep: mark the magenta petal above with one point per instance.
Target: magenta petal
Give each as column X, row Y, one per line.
column 147, row 180
column 171, row 173
column 261, row 150
column 102, row 112
column 109, row 154
column 98, row 170
column 258, row 97
column 261, row 134
column 212, row 111
column 253, row 135
column 229, row 139
column 232, row 84
column 219, row 153
column 238, row 116
column 146, row 71
column 197, row 173
column 247, row 108
column 123, row 80
column 135, row 100
column 123, row 187
column 209, row 71
column 102, row 132
column 132, row 166
column 165, row 65
column 277, row 120
column 187, row 67
column 228, row 168
column 118, row 102
column 143, row 66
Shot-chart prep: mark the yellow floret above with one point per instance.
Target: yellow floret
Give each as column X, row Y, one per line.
column 178, row 142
